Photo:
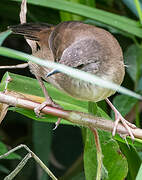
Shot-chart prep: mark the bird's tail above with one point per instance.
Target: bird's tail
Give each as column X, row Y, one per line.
column 30, row 30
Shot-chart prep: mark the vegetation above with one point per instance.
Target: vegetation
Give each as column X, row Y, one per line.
column 70, row 151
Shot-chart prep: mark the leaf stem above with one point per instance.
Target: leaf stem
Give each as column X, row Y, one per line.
column 92, row 108
column 99, row 154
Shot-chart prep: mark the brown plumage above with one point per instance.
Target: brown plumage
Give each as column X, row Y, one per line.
column 78, row 45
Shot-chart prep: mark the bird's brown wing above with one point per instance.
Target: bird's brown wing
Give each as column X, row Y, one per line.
column 74, row 44
column 62, row 36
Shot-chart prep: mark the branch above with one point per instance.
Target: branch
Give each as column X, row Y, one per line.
column 79, row 118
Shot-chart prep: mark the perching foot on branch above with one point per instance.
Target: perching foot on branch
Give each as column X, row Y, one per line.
column 119, row 118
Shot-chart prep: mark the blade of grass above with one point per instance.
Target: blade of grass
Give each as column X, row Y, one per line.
column 66, row 16
column 75, row 73
column 137, row 3
column 3, row 36
column 120, row 22
column 139, row 175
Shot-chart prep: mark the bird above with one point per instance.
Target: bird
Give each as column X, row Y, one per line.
column 81, row 46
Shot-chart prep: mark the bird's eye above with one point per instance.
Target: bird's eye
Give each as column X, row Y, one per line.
column 80, row 66
column 37, row 47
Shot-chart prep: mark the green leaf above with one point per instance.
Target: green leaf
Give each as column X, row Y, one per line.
column 45, row 118
column 139, row 176
column 133, row 160
column 4, row 169
column 113, row 158
column 111, row 19
column 138, row 7
column 101, row 170
column 139, row 87
column 130, row 4
column 42, row 147
column 90, row 158
column 136, row 143
column 3, row 36
column 75, row 73
column 111, row 29
column 3, row 150
column 65, row 16
column 79, row 176
column 124, row 104
column 133, row 62
column 30, row 87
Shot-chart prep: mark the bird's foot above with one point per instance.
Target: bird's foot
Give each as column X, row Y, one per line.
column 50, row 102
column 128, row 126
column 119, row 118
column 38, row 109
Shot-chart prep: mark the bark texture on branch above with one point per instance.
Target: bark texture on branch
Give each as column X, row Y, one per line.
column 79, row 118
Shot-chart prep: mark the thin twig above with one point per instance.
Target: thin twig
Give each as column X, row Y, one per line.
column 22, row 15
column 23, row 11
column 24, row 65
column 19, row 167
column 13, row 150
column 24, row 161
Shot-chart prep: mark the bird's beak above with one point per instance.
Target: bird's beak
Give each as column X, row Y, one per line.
column 54, row 71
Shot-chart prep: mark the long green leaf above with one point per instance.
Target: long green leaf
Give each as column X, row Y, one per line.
column 139, row 176
column 111, row 19
column 30, row 87
column 69, row 71
column 66, row 16
column 137, row 3
column 3, row 36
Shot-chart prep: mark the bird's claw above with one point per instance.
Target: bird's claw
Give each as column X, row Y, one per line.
column 57, row 123
column 128, row 126
column 38, row 109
